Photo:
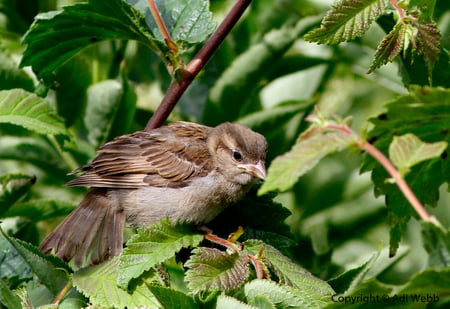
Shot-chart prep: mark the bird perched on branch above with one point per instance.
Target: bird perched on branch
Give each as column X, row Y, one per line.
column 184, row 171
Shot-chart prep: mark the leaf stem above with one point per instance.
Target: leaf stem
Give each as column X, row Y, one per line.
column 162, row 27
column 384, row 161
column 176, row 89
column 63, row 292
column 400, row 11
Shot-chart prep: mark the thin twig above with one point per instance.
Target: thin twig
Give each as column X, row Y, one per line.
column 400, row 11
column 161, row 25
column 176, row 89
column 399, row 181
column 63, row 292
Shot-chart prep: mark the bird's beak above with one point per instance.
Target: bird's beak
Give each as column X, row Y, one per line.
column 257, row 169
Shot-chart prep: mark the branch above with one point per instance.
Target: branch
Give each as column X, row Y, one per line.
column 399, row 181
column 176, row 89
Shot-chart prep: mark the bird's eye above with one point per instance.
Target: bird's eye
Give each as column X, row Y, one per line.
column 237, row 155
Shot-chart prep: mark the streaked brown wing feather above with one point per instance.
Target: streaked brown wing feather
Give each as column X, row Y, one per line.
column 168, row 156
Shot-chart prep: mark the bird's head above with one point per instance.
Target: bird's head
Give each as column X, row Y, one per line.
column 239, row 153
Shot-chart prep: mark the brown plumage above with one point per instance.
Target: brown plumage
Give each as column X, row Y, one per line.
column 184, row 171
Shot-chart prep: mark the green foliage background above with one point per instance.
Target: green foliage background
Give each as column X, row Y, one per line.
column 97, row 70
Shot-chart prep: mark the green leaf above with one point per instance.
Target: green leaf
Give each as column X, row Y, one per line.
column 352, row 278
column 212, row 269
column 39, row 210
column 238, row 83
column 30, row 111
column 424, row 112
column 13, row 187
column 346, row 20
column 8, row 297
column 73, row 78
column 12, row 266
column 153, row 245
column 280, row 296
column 36, row 151
column 428, row 286
column 262, row 302
column 436, row 241
column 188, row 21
column 51, row 270
column 102, row 119
column 312, row 145
column 391, row 46
column 428, row 43
column 170, row 298
column 226, row 302
column 369, row 294
column 408, row 150
column 11, row 76
column 99, row 283
column 78, row 26
column 313, row 290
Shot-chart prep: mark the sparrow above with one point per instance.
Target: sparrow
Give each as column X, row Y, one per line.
column 184, row 171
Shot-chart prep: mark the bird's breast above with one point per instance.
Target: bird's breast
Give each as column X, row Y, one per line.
column 199, row 202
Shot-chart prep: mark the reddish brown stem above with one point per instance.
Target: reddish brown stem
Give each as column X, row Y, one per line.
column 159, row 21
column 258, row 268
column 400, row 11
column 62, row 293
column 399, row 181
column 176, row 89
column 223, row 242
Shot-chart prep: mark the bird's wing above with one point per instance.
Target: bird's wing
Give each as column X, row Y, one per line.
column 169, row 156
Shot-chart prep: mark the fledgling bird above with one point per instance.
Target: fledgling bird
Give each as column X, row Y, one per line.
column 184, row 171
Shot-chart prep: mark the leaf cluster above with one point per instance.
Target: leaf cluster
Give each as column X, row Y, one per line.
column 414, row 30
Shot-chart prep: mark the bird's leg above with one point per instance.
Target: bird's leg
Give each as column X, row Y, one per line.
column 227, row 243
column 230, row 243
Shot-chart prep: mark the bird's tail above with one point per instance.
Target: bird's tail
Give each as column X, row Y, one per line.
column 91, row 233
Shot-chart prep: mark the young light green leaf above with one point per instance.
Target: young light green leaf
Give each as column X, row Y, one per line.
column 346, row 20
column 310, row 148
column 212, row 269
column 436, row 241
column 170, row 298
column 30, row 111
column 280, row 296
column 78, row 26
column 51, row 270
column 153, row 245
column 391, row 46
column 226, row 302
column 99, row 283
column 12, row 188
column 313, row 290
column 408, row 150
